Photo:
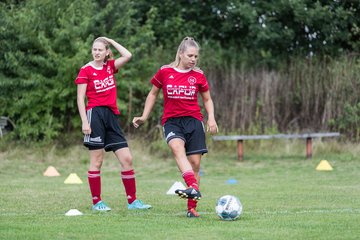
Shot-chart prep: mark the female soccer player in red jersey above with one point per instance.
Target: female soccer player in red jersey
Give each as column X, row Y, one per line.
column 100, row 123
column 181, row 81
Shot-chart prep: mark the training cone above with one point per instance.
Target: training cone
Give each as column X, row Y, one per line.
column 73, row 179
column 324, row 166
column 231, row 181
column 51, row 172
column 73, row 212
column 175, row 186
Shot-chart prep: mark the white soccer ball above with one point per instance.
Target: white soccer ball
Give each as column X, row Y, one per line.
column 228, row 207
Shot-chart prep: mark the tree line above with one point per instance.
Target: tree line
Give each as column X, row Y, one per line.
column 273, row 66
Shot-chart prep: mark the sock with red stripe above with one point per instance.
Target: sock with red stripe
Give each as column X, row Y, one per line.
column 191, row 204
column 190, row 180
column 95, row 185
column 128, row 179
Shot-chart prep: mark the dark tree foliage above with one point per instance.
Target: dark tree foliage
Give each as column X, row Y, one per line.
column 44, row 43
column 268, row 29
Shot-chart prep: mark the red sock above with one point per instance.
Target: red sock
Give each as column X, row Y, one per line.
column 190, row 179
column 95, row 185
column 128, row 179
column 191, row 204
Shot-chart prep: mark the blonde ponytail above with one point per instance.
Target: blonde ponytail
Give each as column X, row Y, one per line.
column 185, row 44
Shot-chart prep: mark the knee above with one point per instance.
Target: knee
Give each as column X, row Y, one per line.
column 178, row 150
column 128, row 159
column 196, row 168
column 177, row 146
column 126, row 162
column 195, row 163
column 96, row 162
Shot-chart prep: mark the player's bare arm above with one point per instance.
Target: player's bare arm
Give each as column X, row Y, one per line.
column 149, row 104
column 211, row 125
column 125, row 54
column 81, row 93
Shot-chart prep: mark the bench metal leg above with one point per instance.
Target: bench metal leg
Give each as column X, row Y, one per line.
column 240, row 150
column 308, row 147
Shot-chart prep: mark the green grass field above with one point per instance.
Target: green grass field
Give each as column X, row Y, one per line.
column 283, row 196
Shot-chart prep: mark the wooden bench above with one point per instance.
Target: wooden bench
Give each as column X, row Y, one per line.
column 241, row 138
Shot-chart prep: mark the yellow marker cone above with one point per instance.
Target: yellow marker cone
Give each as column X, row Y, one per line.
column 324, row 166
column 73, row 179
column 51, row 172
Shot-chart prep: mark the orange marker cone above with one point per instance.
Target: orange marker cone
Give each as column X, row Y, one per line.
column 51, row 172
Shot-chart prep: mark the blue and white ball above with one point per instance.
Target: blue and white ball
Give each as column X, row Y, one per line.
column 228, row 207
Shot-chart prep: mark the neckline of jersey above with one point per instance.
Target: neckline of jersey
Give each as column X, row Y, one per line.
column 97, row 68
column 182, row 70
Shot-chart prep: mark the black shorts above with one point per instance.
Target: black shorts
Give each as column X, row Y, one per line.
column 105, row 130
column 190, row 130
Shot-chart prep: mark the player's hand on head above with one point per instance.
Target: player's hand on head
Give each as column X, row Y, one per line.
column 106, row 39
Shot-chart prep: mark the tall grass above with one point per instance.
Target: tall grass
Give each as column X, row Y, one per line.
column 302, row 95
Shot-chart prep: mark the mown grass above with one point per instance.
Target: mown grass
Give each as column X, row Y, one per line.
column 284, row 197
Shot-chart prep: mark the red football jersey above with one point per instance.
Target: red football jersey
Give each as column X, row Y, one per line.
column 101, row 85
column 180, row 89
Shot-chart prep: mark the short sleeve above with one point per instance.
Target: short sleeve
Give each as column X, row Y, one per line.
column 82, row 77
column 203, row 86
column 157, row 80
column 112, row 65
